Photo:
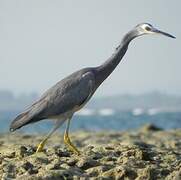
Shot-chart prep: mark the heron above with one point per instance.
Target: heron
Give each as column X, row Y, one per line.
column 69, row 95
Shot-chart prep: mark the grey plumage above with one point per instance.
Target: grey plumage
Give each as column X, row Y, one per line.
column 73, row 92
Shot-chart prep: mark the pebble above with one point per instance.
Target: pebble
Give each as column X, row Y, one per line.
column 86, row 162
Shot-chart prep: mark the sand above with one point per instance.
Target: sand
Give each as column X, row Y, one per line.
column 145, row 153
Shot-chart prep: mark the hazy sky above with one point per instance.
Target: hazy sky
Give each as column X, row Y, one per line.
column 42, row 41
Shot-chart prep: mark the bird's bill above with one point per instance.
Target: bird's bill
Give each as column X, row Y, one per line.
column 163, row 33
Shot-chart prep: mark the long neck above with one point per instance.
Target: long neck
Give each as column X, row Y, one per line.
column 104, row 70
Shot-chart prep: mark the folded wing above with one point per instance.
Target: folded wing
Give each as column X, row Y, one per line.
column 66, row 96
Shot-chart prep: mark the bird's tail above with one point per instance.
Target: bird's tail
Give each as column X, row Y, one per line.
column 20, row 121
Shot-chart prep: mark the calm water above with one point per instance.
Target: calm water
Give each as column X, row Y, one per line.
column 104, row 120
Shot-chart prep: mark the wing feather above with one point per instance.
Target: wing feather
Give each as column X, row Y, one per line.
column 68, row 94
column 75, row 93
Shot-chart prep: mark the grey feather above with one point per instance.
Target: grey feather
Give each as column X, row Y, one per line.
column 68, row 94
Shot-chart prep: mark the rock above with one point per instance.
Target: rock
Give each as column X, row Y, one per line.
column 146, row 173
column 96, row 171
column 110, row 148
column 22, row 151
column 76, row 171
column 62, row 153
column 39, row 158
column 72, row 161
column 175, row 175
column 57, row 174
column 53, row 165
column 26, row 136
column 96, row 156
column 109, row 174
column 85, row 163
column 150, row 127
column 42, row 160
column 62, row 174
column 9, row 170
column 29, row 168
column 11, row 155
column 27, row 165
column 1, row 158
column 65, row 166
column 1, row 143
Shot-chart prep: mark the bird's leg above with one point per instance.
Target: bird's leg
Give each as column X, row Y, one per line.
column 67, row 140
column 42, row 143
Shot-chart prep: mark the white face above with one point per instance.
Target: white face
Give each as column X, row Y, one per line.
column 146, row 27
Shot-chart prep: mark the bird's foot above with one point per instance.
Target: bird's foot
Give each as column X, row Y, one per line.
column 40, row 147
column 70, row 145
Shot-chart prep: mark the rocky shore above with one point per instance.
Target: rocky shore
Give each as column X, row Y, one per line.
column 145, row 153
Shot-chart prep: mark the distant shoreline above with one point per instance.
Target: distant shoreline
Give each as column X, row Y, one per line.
column 123, row 102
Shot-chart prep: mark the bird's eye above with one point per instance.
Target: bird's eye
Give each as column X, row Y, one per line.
column 147, row 28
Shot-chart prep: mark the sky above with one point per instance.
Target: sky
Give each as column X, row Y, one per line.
column 43, row 41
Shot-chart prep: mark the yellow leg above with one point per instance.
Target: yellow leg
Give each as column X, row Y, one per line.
column 67, row 140
column 42, row 143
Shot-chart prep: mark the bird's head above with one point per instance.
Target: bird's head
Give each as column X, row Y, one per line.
column 146, row 28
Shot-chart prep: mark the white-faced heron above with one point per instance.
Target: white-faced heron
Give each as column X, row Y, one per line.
column 71, row 93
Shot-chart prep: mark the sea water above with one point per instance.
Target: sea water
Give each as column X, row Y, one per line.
column 103, row 119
